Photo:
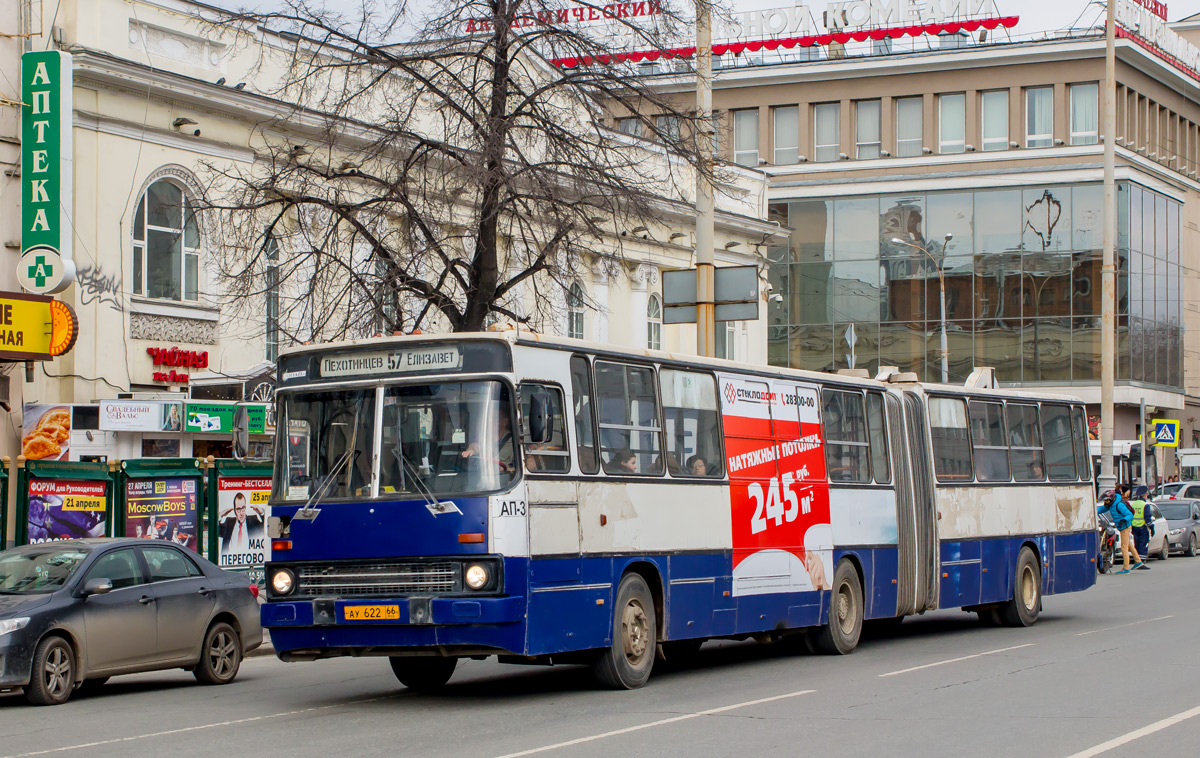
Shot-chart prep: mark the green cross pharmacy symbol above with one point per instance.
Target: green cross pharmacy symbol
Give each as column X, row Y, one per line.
column 40, row 271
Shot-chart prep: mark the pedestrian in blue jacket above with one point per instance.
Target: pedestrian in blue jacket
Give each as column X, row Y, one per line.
column 1122, row 515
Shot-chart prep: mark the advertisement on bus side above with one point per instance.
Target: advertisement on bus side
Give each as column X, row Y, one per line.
column 241, row 521
column 163, row 509
column 782, row 538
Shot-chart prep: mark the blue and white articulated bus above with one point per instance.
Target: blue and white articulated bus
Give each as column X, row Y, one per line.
column 548, row 500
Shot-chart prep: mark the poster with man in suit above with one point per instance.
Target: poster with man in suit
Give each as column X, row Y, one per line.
column 241, row 521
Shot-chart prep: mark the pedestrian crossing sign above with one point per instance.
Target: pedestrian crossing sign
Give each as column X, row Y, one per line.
column 1166, row 433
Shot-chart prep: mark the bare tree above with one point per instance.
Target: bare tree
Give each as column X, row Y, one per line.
column 465, row 173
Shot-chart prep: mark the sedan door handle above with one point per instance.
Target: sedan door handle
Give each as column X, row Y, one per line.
column 146, row 600
column 204, row 591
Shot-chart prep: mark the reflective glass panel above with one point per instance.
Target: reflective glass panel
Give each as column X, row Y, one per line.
column 856, row 228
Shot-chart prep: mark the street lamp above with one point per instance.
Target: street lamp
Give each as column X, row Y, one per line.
column 945, row 351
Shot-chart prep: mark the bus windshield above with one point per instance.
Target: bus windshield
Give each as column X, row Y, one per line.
column 436, row 439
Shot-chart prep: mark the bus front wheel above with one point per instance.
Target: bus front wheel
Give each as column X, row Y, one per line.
column 626, row 663
column 1026, row 601
column 423, row 674
column 840, row 636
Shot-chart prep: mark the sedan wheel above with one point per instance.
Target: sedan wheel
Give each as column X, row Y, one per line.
column 221, row 657
column 53, row 675
column 1191, row 548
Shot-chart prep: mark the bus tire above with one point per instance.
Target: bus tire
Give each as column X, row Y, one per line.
column 627, row 662
column 840, row 636
column 1026, row 601
column 422, row 674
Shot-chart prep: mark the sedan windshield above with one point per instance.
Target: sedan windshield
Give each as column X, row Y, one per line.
column 1175, row 511
column 37, row 570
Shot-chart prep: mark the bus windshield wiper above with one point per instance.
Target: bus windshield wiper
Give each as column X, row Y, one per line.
column 310, row 512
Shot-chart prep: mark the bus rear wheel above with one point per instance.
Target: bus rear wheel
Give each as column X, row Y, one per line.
column 626, row 663
column 840, row 636
column 423, row 674
column 1026, row 601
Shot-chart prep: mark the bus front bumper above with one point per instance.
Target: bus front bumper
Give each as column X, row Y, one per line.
column 417, row 611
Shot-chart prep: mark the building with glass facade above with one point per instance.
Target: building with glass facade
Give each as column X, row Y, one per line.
column 975, row 163
column 1021, row 269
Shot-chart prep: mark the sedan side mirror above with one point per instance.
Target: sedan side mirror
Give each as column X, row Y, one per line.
column 97, row 587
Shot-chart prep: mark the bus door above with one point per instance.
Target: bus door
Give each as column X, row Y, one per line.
column 924, row 538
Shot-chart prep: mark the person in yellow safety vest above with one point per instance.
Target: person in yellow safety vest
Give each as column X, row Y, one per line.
column 1141, row 529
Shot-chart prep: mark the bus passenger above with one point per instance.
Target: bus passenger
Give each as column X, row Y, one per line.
column 697, row 466
column 505, row 457
column 623, row 462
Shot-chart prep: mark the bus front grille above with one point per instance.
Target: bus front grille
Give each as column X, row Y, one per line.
column 377, row 579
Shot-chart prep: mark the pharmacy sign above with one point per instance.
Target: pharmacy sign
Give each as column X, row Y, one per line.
column 46, row 178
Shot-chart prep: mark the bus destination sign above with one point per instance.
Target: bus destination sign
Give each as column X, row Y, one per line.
column 399, row 361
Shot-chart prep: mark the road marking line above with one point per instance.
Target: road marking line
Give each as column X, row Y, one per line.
column 182, row 730
column 1122, row 626
column 661, row 722
column 956, row 660
column 1124, row 739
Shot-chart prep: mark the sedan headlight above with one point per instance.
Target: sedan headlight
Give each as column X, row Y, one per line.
column 477, row 576
column 1176, row 531
column 283, row 581
column 8, row 626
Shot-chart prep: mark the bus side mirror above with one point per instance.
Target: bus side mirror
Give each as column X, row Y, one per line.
column 241, row 433
column 541, row 424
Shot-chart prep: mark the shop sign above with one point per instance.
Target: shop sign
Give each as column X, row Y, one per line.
column 1145, row 21
column 140, row 416
column 35, row 328
column 45, row 266
column 218, row 417
column 174, row 358
column 61, row 509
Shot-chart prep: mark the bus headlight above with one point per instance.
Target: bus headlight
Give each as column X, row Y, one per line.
column 477, row 576
column 283, row 581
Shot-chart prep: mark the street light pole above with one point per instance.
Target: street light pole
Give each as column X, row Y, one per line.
column 1108, row 271
column 705, row 214
column 945, row 348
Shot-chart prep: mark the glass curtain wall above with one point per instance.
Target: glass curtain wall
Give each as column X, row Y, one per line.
column 1022, row 276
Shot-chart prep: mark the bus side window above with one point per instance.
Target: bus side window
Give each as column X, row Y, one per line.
column 987, row 439
column 1083, row 463
column 951, row 439
column 847, row 457
column 880, row 461
column 585, row 433
column 1025, row 439
column 630, row 438
column 1056, row 436
column 552, row 456
column 692, row 423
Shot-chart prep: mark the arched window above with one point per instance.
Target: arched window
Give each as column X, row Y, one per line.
column 166, row 244
column 271, row 253
column 575, row 311
column 654, row 323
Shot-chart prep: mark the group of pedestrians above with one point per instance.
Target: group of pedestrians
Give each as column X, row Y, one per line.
column 1129, row 515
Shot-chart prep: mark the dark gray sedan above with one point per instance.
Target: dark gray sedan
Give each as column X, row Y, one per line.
column 75, row 613
column 1183, row 524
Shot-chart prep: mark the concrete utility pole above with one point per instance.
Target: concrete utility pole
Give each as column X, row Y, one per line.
column 1108, row 270
column 705, row 219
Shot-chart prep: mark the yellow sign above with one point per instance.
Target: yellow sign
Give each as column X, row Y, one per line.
column 1166, row 432
column 371, row 612
column 35, row 328
column 83, row 503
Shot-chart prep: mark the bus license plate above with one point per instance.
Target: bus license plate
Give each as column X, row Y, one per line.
column 371, row 613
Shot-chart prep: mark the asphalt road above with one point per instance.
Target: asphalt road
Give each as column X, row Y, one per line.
column 1117, row 666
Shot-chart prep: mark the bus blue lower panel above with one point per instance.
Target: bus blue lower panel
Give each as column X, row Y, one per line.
column 571, row 599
